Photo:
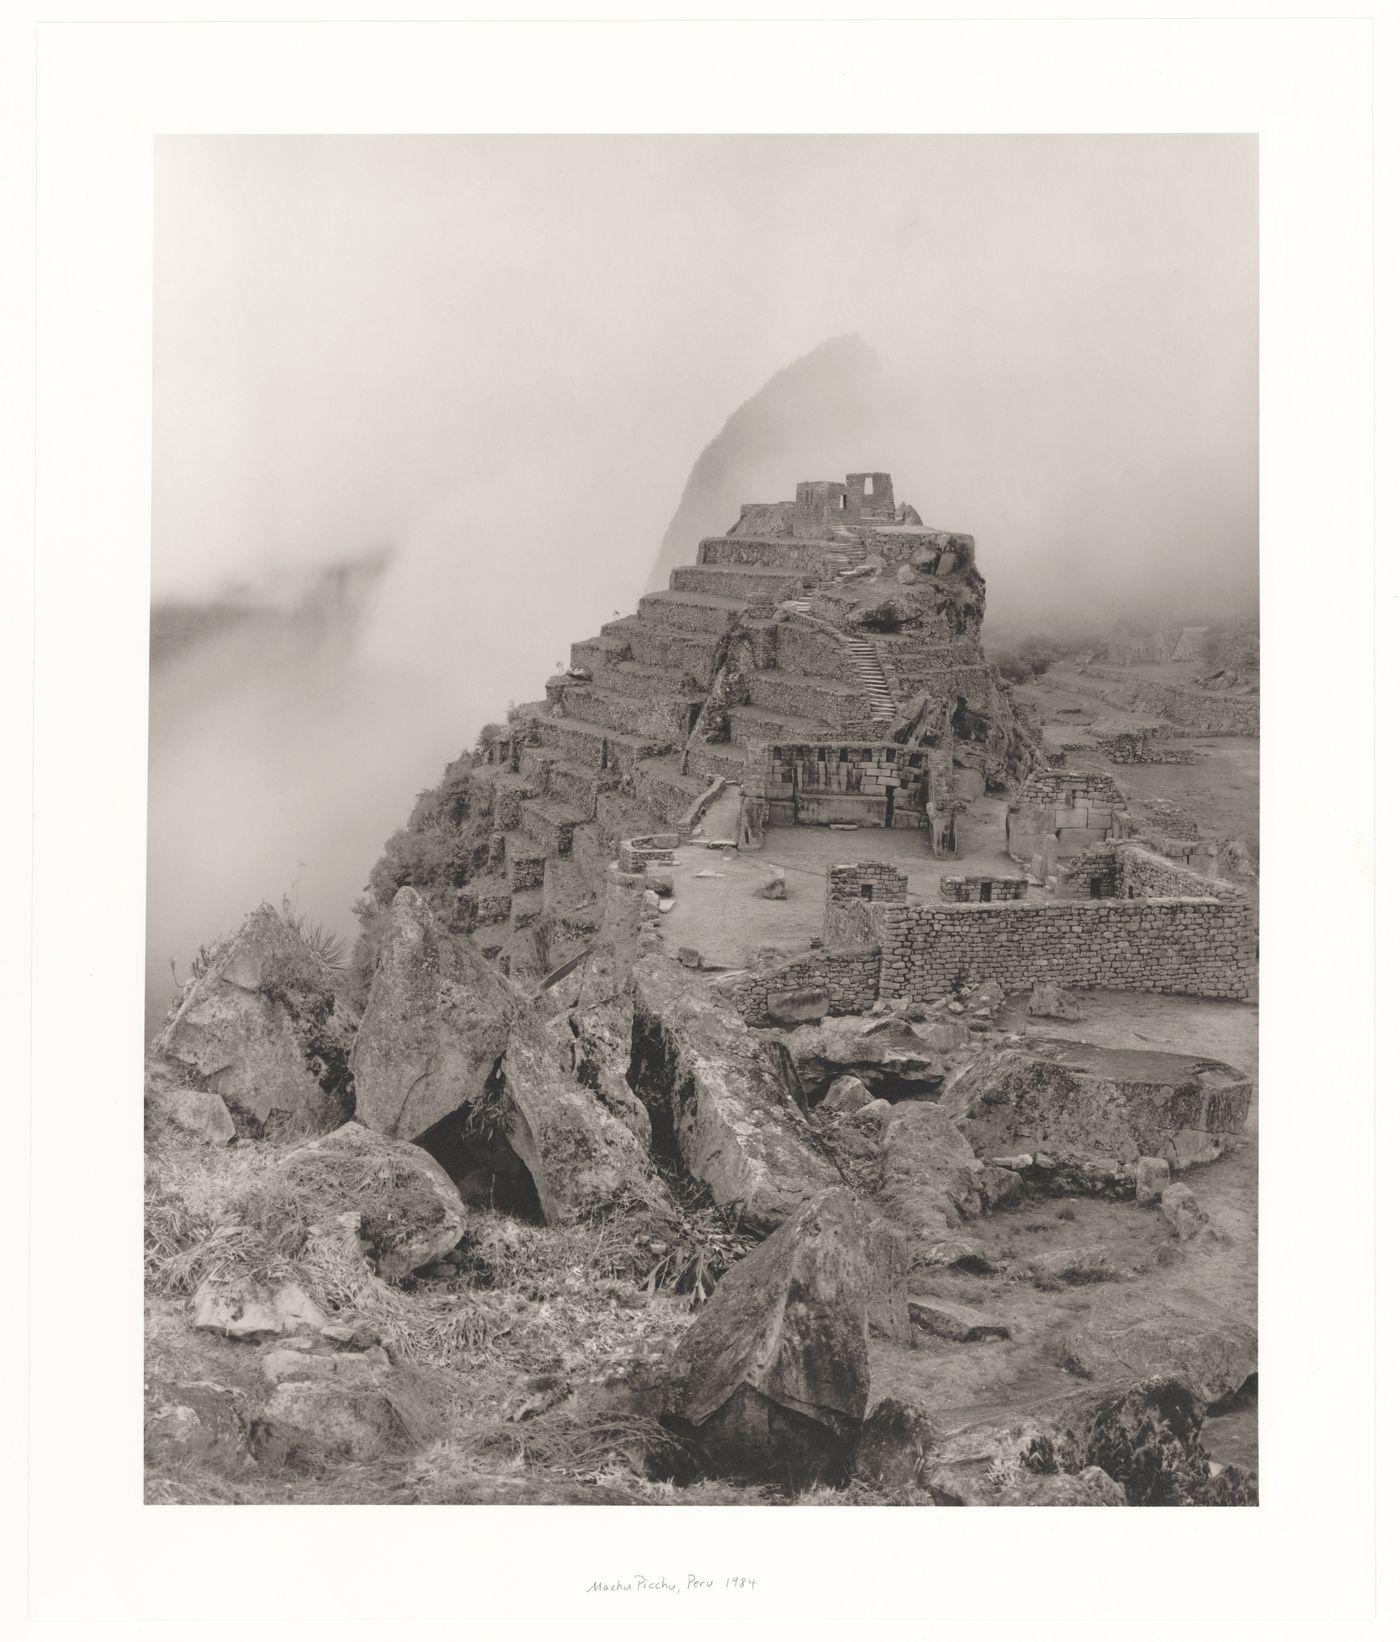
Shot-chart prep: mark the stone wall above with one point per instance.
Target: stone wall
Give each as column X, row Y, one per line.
column 656, row 849
column 981, row 890
column 1142, row 874
column 1077, row 807
column 1140, row 747
column 844, row 707
column 803, row 647
column 829, row 983
column 812, row 784
column 1091, row 876
column 1200, row 946
column 666, row 793
column 765, row 550
column 851, row 890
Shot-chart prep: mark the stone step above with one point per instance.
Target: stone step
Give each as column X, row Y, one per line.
column 664, row 789
column 741, row 581
column 799, row 696
column 510, row 793
column 656, row 646
column 761, row 724
column 591, row 746
column 591, row 654
column 670, row 717
column 774, row 552
column 634, row 678
column 524, row 863
column 534, row 768
column 866, row 661
column 549, row 825
column 690, row 612
column 575, row 787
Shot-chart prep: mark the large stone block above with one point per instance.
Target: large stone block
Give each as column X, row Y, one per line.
column 1079, row 1101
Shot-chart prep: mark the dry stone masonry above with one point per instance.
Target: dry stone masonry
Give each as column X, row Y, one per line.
column 812, row 624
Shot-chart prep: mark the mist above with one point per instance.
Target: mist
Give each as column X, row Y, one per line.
column 426, row 409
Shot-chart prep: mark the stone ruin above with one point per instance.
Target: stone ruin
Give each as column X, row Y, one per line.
column 823, row 657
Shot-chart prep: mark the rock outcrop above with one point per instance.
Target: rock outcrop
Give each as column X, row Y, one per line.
column 929, row 1177
column 435, row 1026
column 728, row 1097
column 580, row 1157
column 1182, row 1334
column 264, row 1026
column 452, row 1054
column 1082, row 1103
column 887, row 1054
column 774, row 1374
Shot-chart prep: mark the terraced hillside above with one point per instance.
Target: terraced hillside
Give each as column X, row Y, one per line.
column 809, row 621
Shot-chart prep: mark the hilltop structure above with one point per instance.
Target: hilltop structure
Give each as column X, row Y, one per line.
column 824, row 657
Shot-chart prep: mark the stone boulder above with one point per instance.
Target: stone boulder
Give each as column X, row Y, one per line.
column 196, row 1420
column 315, row 1422
column 197, row 1112
column 435, row 1027
column 949, row 1320
column 263, row 1026
column 241, row 1309
column 1054, row 1002
column 1185, row 1215
column 1148, row 1438
column 773, row 886
column 774, row 1374
column 846, row 1095
column 597, row 1038
column 1029, row 1460
column 581, row 1158
column 929, row 1177
column 1152, row 1179
column 1077, row 1101
column 536, row 1115
column 1183, row 1334
column 409, row 1211
column 728, row 1096
column 888, row 1054
column 368, row 1367
column 897, row 1443
column 1137, row 1445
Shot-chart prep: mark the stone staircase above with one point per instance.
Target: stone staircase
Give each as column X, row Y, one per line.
column 862, row 655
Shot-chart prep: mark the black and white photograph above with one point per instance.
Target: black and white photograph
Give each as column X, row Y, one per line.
column 717, row 967
column 680, row 682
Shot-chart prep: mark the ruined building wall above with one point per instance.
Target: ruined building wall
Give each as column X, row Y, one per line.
column 837, row 983
column 813, row 783
column 1202, row 946
column 851, row 891
column 981, row 890
column 1143, row 874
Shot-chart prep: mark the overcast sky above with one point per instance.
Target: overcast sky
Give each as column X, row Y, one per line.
column 364, row 341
